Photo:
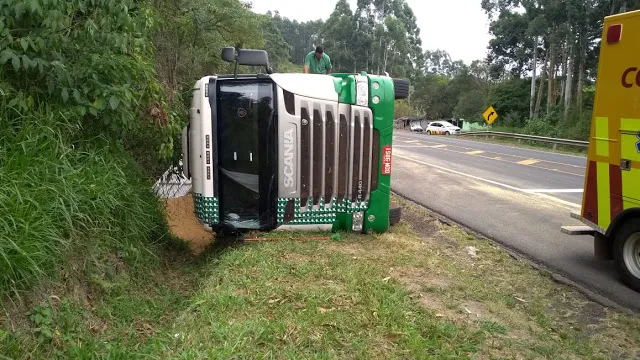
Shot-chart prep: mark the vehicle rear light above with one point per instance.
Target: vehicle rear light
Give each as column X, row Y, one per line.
column 614, row 34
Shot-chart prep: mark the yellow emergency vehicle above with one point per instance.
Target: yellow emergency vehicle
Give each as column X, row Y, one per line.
column 611, row 198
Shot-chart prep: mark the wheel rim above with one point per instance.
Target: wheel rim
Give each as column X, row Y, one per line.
column 631, row 254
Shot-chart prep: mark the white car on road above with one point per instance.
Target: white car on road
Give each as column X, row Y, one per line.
column 442, row 128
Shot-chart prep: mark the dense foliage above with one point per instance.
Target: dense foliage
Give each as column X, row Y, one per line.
column 93, row 95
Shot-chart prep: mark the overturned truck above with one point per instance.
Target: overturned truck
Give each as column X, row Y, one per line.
column 291, row 151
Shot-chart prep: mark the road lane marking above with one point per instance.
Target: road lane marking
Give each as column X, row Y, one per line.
column 528, row 162
column 568, row 203
column 476, row 152
column 443, row 147
column 461, row 173
column 511, row 155
column 518, row 148
column 554, row 191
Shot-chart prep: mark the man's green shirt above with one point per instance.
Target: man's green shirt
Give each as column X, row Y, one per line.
column 317, row 66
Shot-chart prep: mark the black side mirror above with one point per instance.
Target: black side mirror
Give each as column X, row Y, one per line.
column 229, row 54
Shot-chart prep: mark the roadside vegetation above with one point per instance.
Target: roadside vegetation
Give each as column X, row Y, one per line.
column 93, row 95
column 92, row 101
column 424, row 290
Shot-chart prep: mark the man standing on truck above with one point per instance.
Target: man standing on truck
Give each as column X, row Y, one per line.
column 317, row 62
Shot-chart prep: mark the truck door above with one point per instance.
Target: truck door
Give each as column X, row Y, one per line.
column 630, row 162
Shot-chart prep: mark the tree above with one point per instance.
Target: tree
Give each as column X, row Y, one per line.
column 337, row 35
column 190, row 35
column 301, row 36
column 276, row 46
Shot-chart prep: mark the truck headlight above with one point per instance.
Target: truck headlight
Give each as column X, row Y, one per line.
column 357, row 220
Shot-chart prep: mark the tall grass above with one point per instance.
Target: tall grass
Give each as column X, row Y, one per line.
column 59, row 196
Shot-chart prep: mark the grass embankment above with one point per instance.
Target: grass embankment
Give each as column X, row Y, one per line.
column 60, row 197
column 77, row 223
column 424, row 290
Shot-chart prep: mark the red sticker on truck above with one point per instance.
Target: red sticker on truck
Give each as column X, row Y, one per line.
column 386, row 160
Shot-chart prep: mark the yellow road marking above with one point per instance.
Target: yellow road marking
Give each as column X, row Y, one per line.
column 528, row 162
column 475, row 152
column 498, row 158
column 507, row 155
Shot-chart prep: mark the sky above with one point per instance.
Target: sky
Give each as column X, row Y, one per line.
column 458, row 26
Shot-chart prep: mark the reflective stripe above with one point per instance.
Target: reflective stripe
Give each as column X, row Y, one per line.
column 604, row 195
column 602, row 137
column 590, row 199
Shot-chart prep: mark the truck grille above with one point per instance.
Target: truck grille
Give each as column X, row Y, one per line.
column 335, row 155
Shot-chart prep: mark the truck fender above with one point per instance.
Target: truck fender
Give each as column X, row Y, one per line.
column 620, row 219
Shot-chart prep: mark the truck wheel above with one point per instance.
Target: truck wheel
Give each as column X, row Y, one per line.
column 401, row 87
column 428, row 132
column 395, row 213
column 626, row 253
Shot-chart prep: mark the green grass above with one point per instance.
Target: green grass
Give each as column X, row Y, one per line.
column 412, row 293
column 60, row 196
column 297, row 299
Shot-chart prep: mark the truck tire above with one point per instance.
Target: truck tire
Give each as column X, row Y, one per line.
column 395, row 213
column 401, row 87
column 626, row 253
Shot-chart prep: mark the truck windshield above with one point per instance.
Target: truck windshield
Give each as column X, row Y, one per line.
column 247, row 166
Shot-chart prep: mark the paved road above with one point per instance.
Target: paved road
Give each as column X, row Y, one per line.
column 517, row 197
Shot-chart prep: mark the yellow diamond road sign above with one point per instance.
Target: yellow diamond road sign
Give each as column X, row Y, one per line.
column 490, row 115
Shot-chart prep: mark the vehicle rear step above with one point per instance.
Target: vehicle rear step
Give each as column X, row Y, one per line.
column 578, row 230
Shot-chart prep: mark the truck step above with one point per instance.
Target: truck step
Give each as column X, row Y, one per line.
column 578, row 230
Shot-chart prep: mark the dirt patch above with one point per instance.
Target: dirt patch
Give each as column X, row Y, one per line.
column 435, row 304
column 476, row 310
column 184, row 225
column 588, row 314
column 414, row 279
column 591, row 314
column 425, row 226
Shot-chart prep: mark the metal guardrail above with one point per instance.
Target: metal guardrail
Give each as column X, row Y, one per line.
column 550, row 140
